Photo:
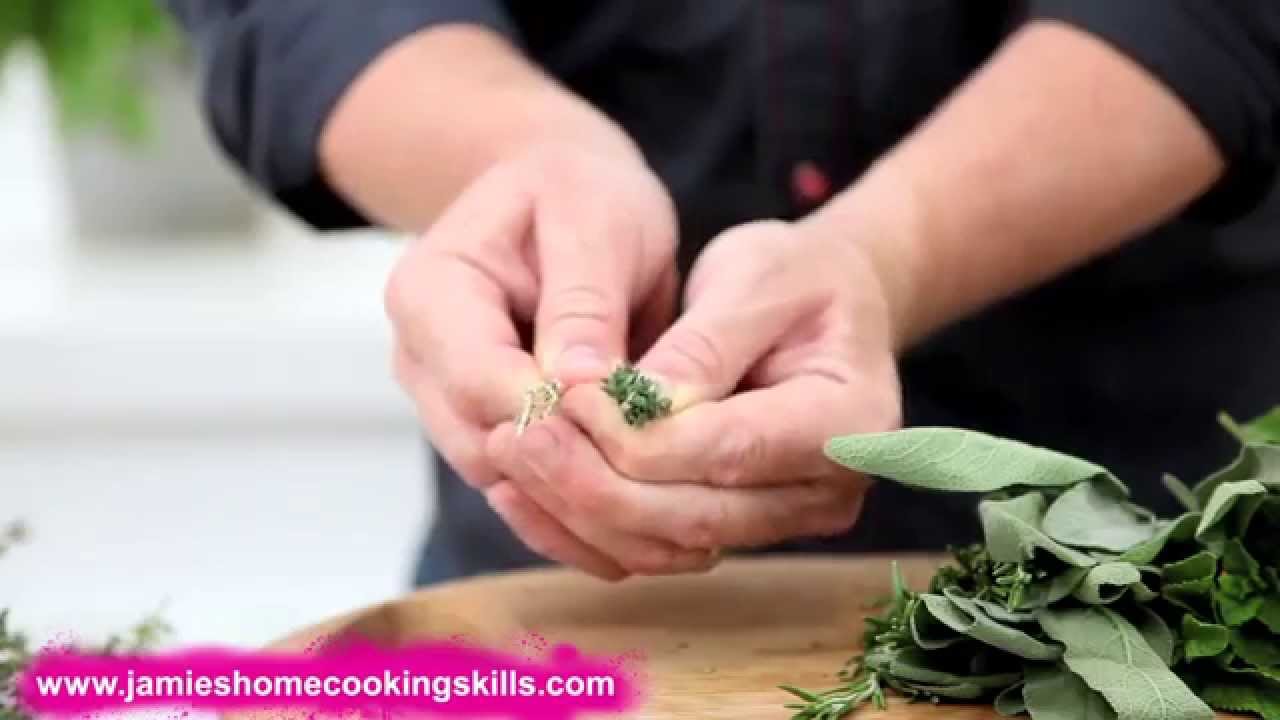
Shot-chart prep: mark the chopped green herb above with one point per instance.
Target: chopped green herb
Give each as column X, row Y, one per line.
column 639, row 398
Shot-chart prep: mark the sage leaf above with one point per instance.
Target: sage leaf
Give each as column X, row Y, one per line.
column 956, row 460
column 976, row 624
column 1181, row 530
column 930, row 633
column 1044, row 593
column 1002, row 613
column 953, row 691
column 913, row 665
column 1053, row 692
column 1013, row 532
column 1093, row 515
column 1202, row 639
column 1254, row 462
column 1107, row 583
column 1223, row 499
column 1141, row 592
column 1156, row 632
column 1009, row 702
column 1181, row 493
column 1111, row 657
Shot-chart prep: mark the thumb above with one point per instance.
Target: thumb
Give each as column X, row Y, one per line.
column 723, row 334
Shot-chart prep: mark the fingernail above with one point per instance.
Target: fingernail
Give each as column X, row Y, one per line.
column 541, row 450
column 682, row 397
column 581, row 362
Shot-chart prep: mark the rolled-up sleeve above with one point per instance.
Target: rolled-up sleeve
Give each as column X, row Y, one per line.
column 1222, row 59
column 273, row 70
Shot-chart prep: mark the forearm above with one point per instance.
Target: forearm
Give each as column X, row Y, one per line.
column 1060, row 150
column 437, row 110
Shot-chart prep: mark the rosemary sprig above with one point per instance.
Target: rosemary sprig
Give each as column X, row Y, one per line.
column 839, row 702
column 639, row 397
column 861, row 682
column 977, row 575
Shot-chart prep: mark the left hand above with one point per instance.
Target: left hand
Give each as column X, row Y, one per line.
column 786, row 342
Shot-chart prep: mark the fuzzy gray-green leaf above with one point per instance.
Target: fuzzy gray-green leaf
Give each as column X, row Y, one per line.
column 1093, row 515
column 1254, row 462
column 1223, row 499
column 1107, row 583
column 1053, row 692
column 1181, row 493
column 1156, row 632
column 1111, row 656
column 913, row 665
column 1009, row 703
column 1044, row 593
column 1013, row 531
column 955, row 460
column 930, row 633
column 1180, row 530
column 970, row 620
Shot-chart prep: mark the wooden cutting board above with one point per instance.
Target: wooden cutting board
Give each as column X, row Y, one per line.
column 716, row 645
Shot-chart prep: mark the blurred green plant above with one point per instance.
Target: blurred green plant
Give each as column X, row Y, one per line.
column 15, row 648
column 91, row 51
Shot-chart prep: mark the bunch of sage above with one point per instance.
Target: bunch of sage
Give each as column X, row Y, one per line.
column 1078, row 604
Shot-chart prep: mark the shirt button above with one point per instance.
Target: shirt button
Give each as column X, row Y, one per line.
column 809, row 185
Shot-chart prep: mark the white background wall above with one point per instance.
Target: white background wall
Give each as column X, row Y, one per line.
column 202, row 422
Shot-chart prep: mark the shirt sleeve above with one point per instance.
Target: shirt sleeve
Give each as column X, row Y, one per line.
column 273, row 70
column 1222, row 59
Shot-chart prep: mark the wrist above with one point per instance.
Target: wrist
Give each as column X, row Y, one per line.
column 882, row 219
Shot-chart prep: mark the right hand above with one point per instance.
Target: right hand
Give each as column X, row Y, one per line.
column 573, row 249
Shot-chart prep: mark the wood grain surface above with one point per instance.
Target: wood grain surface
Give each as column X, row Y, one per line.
column 716, row 645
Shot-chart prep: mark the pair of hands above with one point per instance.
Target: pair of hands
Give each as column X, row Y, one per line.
column 559, row 264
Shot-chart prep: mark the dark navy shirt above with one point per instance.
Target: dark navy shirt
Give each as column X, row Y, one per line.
column 746, row 109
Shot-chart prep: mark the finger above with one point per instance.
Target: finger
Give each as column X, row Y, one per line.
column 460, row 442
column 453, row 296
column 589, row 258
column 730, row 324
column 755, row 438
column 546, row 537
column 462, row 335
column 635, row 554
column 692, row 515
column 655, row 314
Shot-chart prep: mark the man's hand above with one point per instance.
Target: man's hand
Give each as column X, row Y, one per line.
column 785, row 343
column 573, row 249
